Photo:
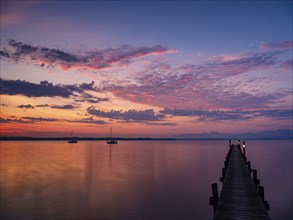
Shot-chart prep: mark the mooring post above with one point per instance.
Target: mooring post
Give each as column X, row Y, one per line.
column 229, row 153
column 226, row 163
column 243, row 147
column 261, row 193
column 223, row 174
column 254, row 177
column 215, row 190
column 215, row 198
column 249, row 166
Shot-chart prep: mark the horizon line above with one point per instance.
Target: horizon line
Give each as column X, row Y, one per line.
column 8, row 138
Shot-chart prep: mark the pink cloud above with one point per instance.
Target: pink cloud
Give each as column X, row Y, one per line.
column 200, row 86
column 12, row 19
column 287, row 65
column 276, row 45
column 14, row 12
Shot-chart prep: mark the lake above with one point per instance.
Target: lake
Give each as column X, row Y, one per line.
column 133, row 179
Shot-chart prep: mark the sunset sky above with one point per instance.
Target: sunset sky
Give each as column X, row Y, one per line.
column 148, row 68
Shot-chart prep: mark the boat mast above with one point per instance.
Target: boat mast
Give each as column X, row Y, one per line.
column 111, row 132
column 71, row 134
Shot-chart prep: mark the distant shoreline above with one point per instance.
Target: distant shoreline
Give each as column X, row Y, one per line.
column 127, row 139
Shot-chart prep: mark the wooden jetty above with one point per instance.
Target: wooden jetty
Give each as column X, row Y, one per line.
column 242, row 196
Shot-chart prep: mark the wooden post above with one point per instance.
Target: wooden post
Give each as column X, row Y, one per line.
column 255, row 180
column 254, row 175
column 267, row 205
column 249, row 166
column 215, row 190
column 243, row 147
column 261, row 193
column 215, row 198
column 223, row 175
column 229, row 153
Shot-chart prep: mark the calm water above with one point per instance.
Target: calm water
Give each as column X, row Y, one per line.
column 131, row 180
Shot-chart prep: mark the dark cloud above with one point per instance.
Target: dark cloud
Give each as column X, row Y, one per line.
column 89, row 120
column 219, row 115
column 39, row 119
column 4, row 54
column 18, row 87
column 276, row 113
column 130, row 115
column 86, row 97
column 94, row 59
column 92, row 100
column 47, row 89
column 44, row 54
column 82, row 87
column 63, row 106
column 88, row 86
column 12, row 120
column 42, row 106
column 30, row 120
column 26, row 120
column 161, row 123
column 205, row 115
column 25, row 106
column 51, row 106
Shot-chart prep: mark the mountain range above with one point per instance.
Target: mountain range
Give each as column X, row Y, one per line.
column 277, row 134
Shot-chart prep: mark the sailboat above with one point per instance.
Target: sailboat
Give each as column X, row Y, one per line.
column 71, row 139
column 111, row 141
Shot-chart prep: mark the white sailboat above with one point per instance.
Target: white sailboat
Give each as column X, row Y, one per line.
column 111, row 141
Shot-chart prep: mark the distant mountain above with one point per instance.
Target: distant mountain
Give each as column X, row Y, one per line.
column 277, row 134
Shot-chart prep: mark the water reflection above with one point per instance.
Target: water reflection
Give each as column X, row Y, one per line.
column 131, row 180
column 273, row 160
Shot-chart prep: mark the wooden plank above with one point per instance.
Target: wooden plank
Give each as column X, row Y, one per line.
column 239, row 198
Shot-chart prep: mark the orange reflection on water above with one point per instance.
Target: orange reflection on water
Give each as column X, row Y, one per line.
column 93, row 180
column 35, row 176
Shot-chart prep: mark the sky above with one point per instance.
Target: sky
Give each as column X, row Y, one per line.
column 145, row 68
